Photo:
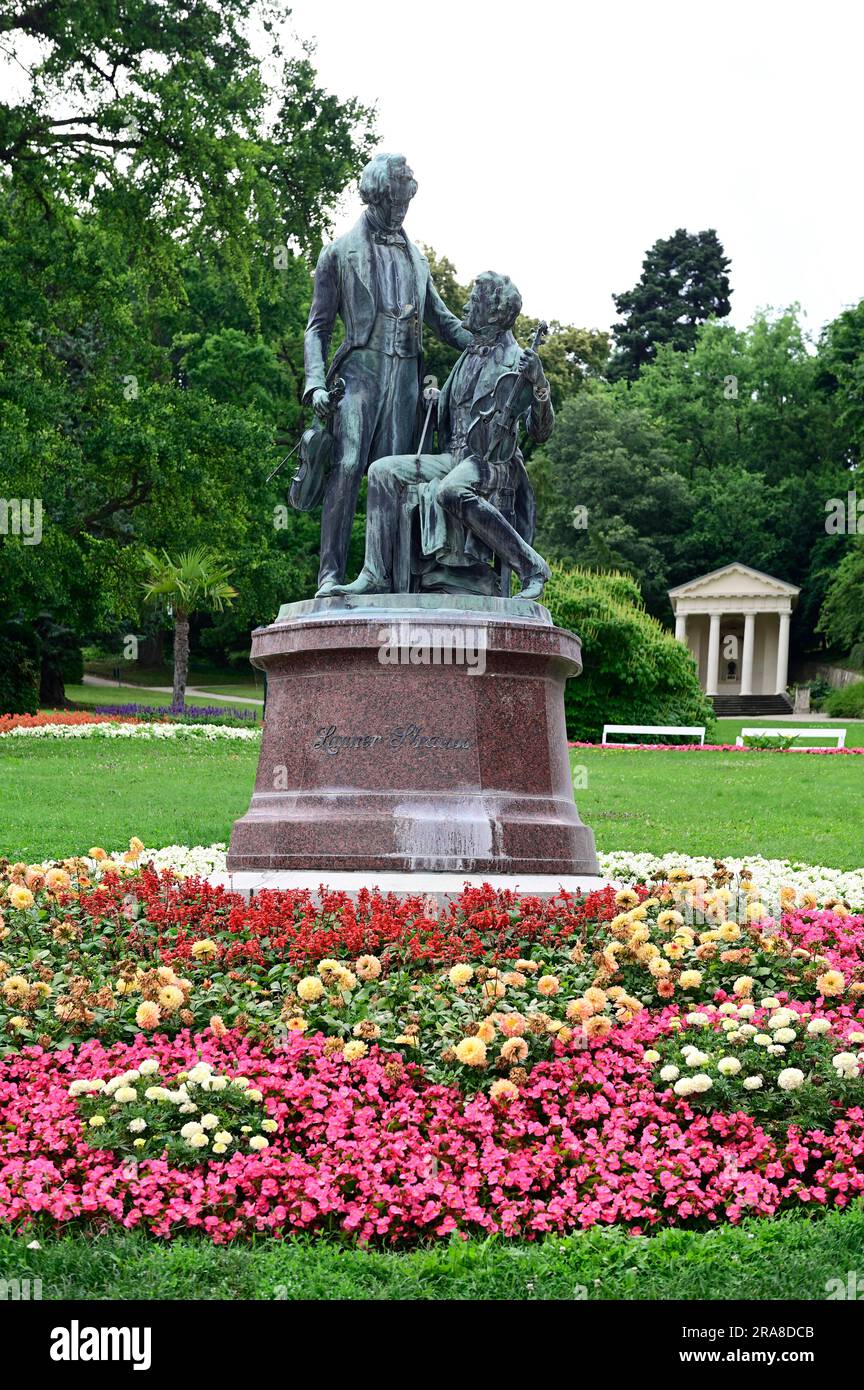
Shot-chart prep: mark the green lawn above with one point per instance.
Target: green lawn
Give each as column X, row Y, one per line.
column 60, row 798
column 791, row 1257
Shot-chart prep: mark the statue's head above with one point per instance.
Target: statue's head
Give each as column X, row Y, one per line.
column 387, row 185
column 493, row 304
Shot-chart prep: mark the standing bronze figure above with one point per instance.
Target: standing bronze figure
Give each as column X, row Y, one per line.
column 379, row 284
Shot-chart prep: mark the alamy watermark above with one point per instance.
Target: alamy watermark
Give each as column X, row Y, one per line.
column 21, row 516
column 409, row 644
column 844, row 516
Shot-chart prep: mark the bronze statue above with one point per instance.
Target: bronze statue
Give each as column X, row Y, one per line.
column 378, row 283
column 473, row 497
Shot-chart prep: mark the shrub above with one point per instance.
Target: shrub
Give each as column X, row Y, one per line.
column 847, row 702
column 19, row 669
column 635, row 672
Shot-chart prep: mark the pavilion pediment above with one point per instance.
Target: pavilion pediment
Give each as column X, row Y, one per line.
column 735, row 581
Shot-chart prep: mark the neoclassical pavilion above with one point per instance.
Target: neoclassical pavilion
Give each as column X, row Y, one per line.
column 735, row 621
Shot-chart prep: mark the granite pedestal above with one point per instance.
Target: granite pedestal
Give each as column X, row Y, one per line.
column 414, row 733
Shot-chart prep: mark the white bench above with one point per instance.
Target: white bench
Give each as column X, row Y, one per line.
column 839, row 734
column 693, row 731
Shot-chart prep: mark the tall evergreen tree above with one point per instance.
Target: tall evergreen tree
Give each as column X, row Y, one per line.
column 684, row 281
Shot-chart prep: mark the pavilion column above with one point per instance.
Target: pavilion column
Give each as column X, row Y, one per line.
column 712, row 675
column 783, row 653
column 681, row 628
column 747, row 654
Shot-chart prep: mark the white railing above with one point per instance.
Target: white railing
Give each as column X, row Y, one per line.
column 695, row 732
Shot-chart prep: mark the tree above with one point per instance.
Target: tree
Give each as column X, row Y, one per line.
column 683, row 284
column 608, row 494
column 842, row 616
column 195, row 580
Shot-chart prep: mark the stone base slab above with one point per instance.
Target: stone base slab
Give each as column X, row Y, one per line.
column 442, row 887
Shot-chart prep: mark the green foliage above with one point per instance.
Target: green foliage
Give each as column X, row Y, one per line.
column 635, row 672
column 842, row 616
column 611, row 460
column 19, row 669
column 847, row 702
column 683, row 283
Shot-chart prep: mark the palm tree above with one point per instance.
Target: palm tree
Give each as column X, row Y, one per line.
column 196, row 579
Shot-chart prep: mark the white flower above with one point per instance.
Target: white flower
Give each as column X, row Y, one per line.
column 747, row 1030
column 845, row 1061
column 775, row 1050
column 729, row 1066
column 746, row 1011
column 651, row 1055
column 819, row 1025
column 255, row 1095
column 223, row 1137
column 218, row 1083
column 209, row 1121
column 199, row 1141
column 728, row 1008
column 669, row 1073
column 782, row 1018
column 698, row 1018
column 695, row 1058
column 701, row 1082
column 200, row 1072
column 148, row 1066
column 763, row 1039
column 785, row 1035
column 136, row 1126
column 790, row 1079
column 752, row 1083
column 258, row 1142
column 190, row 1129
column 124, row 1095
column 156, row 1093
column 769, row 1002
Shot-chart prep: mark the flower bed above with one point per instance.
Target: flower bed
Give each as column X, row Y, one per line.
column 175, row 1058
column 109, row 726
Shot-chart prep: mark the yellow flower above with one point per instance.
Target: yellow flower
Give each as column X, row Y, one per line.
column 486, row 1030
column 205, row 948
column 460, row 975
column 548, row 985
column 494, row 989
column 20, row 897
column 669, row 919
column 757, row 911
column 97, row 853
column 743, row 986
column 354, row 1050
column 503, row 1090
column 626, row 897
column 147, row 1014
column 831, row 982
column 57, row 879
column 297, row 1024
column 15, row 988
column 471, row 1052
column 170, row 998
column 136, row 846
column 310, row 989
column 690, row 979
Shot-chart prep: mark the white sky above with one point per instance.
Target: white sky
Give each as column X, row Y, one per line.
column 556, row 142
